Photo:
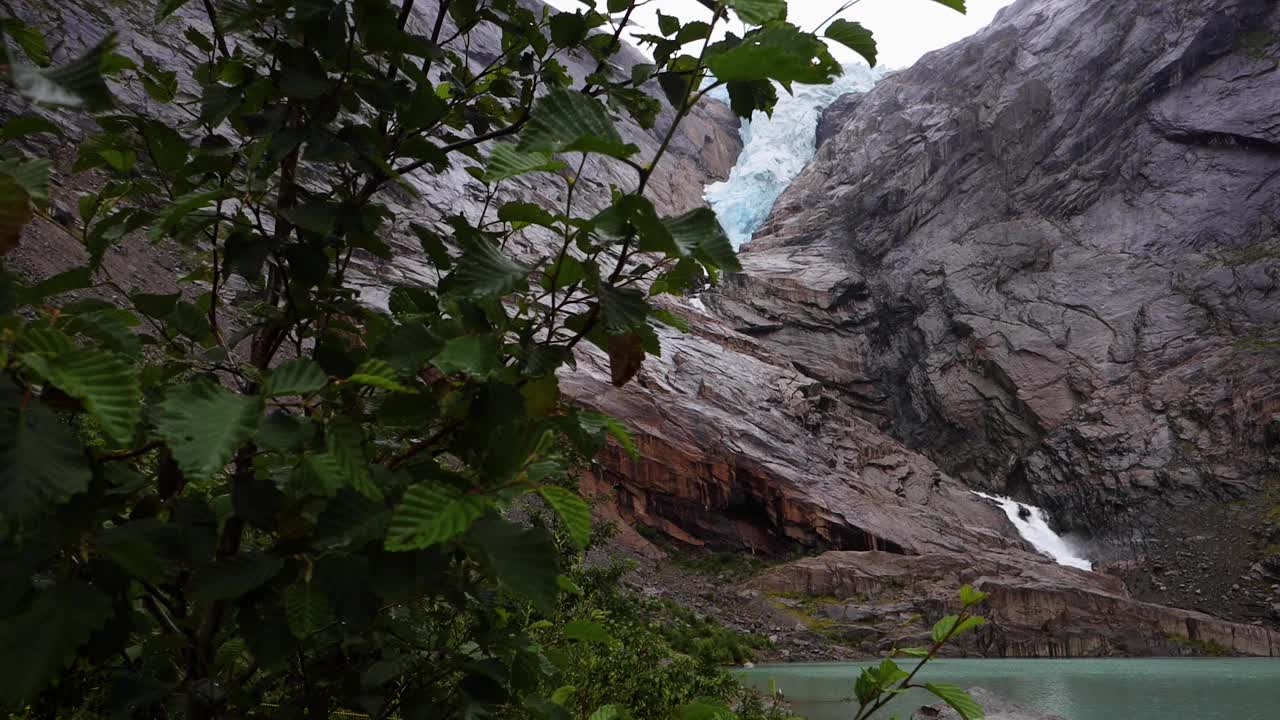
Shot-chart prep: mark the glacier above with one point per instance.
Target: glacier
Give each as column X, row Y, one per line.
column 775, row 150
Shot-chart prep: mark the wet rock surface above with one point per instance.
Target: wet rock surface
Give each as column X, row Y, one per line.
column 1047, row 257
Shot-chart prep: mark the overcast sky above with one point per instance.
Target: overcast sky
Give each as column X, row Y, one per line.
column 904, row 29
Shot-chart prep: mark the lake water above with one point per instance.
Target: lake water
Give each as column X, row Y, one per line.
column 1083, row 689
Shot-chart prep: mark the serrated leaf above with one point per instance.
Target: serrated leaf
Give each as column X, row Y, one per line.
column 484, row 271
column 970, row 597
column 855, row 37
column 431, row 513
column 506, row 161
column 204, row 424
column 297, row 377
column 523, row 559
column 232, row 577
column 28, row 38
column 41, row 462
column 587, row 631
column 782, row 53
column 344, row 441
column 698, row 233
column 570, row 121
column 168, row 7
column 958, row 699
column 622, row 308
column 306, row 609
column 607, row 712
column 475, row 355
column 15, row 212
column 36, row 644
column 596, row 422
column 912, row 651
column 378, row 373
column 705, row 709
column 573, row 511
column 626, row 357
column 759, row 12
column 952, row 626
column 24, row 125
column 78, row 83
column 108, row 385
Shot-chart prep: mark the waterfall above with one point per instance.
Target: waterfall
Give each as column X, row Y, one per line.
column 1033, row 526
column 775, row 150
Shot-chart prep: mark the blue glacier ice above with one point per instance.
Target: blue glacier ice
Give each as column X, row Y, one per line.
column 776, row 149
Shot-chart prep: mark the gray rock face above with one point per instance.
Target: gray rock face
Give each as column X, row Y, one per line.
column 1049, row 256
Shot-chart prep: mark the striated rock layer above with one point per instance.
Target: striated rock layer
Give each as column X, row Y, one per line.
column 1035, row 609
column 1048, row 257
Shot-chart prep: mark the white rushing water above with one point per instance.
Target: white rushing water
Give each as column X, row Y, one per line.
column 1033, row 525
column 775, row 150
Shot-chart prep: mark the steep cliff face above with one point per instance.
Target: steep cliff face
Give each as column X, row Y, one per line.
column 1048, row 256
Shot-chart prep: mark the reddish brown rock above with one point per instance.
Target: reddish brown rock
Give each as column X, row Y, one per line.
column 1035, row 609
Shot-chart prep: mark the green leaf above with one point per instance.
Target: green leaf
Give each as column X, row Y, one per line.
column 855, row 37
column 484, row 271
column 378, row 373
column 595, row 422
column 958, row 699
column 41, row 462
column 475, row 355
column 431, row 513
column 587, row 631
column 668, row 25
column 108, row 385
column 344, row 441
column 523, row 559
column 912, row 651
column 36, row 644
column 28, row 38
column 136, row 548
column 607, row 712
column 781, row 53
column 78, row 83
column 957, row 5
column 306, row 609
column 204, row 424
column 296, row 377
column 506, row 161
column 15, row 212
column 705, row 709
column 698, row 233
column 573, row 511
column 167, row 148
column 24, row 125
column 170, row 217
column 168, row 7
column 232, row 577
column 622, row 309
column 74, row 279
column 759, row 12
column 947, row 626
column 970, row 597
column 570, row 121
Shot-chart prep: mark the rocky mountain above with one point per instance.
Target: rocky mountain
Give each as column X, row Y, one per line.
column 993, row 274
column 1047, row 258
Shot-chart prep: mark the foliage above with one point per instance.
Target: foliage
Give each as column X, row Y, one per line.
column 644, row 655
column 877, row 685
column 257, row 491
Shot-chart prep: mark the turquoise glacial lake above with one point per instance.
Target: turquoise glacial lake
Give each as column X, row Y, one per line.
column 1082, row 689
